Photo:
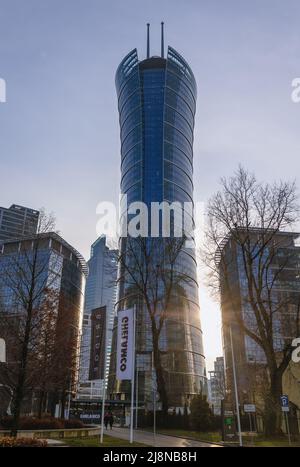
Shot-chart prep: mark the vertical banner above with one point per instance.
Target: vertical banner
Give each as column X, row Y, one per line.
column 98, row 343
column 125, row 344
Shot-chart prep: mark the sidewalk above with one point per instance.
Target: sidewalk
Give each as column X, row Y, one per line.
column 161, row 441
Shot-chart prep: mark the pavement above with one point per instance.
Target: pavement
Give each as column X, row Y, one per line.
column 159, row 440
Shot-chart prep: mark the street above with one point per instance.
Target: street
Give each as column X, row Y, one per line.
column 159, row 441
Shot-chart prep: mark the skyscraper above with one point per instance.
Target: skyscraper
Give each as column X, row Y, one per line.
column 100, row 291
column 157, row 103
column 17, row 221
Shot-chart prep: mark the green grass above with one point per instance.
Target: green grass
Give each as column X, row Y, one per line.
column 259, row 441
column 216, row 437
column 108, row 441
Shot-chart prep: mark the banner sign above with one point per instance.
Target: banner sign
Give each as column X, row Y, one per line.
column 98, row 343
column 125, row 344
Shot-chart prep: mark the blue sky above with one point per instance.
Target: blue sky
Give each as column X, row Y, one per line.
column 59, row 135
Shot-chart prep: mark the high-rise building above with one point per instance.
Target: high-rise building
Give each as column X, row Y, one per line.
column 216, row 385
column 17, row 221
column 157, row 103
column 53, row 276
column 100, row 292
column 281, row 295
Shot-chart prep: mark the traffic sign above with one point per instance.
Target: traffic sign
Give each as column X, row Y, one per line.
column 249, row 408
column 284, row 403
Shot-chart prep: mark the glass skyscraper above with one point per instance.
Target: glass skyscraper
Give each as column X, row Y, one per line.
column 100, row 291
column 157, row 103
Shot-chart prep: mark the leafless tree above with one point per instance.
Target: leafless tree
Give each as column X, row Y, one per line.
column 152, row 276
column 27, row 284
column 244, row 223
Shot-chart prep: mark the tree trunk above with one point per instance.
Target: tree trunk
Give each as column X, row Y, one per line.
column 63, row 404
column 17, row 401
column 160, row 380
column 273, row 413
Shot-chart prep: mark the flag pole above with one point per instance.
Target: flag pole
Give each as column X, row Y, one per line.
column 132, row 378
column 103, row 390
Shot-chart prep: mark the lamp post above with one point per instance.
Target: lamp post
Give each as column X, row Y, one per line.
column 235, row 389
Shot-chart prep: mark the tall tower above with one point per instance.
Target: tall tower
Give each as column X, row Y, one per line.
column 157, row 103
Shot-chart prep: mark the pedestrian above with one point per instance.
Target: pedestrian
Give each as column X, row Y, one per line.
column 111, row 420
column 106, row 419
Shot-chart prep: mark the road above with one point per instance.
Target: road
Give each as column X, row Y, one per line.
column 161, row 441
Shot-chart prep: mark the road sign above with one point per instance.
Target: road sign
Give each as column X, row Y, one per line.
column 249, row 408
column 284, row 403
column 2, row 351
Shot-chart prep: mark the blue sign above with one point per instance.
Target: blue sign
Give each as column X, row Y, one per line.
column 284, row 401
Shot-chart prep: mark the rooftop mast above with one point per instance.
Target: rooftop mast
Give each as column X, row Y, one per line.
column 162, row 39
column 148, row 40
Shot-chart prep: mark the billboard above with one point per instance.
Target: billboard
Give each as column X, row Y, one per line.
column 98, row 343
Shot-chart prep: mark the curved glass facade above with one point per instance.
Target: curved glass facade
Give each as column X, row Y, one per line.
column 157, row 104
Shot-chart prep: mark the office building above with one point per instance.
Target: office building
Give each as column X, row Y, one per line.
column 280, row 293
column 42, row 280
column 216, row 385
column 157, row 104
column 100, row 292
column 17, row 221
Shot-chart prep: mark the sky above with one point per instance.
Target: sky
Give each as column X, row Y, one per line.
column 59, row 133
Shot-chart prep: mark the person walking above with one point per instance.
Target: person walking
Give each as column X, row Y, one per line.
column 106, row 419
column 111, row 420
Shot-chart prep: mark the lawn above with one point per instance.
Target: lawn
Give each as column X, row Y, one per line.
column 216, row 437
column 108, row 441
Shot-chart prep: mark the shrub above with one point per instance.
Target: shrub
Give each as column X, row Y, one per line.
column 30, row 423
column 73, row 423
column 201, row 417
column 9, row 442
column 45, row 423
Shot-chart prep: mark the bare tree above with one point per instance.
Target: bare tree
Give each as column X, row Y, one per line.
column 152, row 275
column 27, row 282
column 245, row 224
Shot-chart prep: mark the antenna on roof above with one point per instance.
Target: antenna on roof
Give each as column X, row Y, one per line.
column 148, row 40
column 162, row 39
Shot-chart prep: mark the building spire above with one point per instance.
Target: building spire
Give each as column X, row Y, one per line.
column 162, row 40
column 148, row 40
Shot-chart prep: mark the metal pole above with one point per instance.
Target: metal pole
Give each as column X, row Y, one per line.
column 288, row 427
column 154, row 401
column 132, row 379
column 136, row 398
column 103, row 391
column 148, row 40
column 69, row 400
column 236, row 390
column 250, row 422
